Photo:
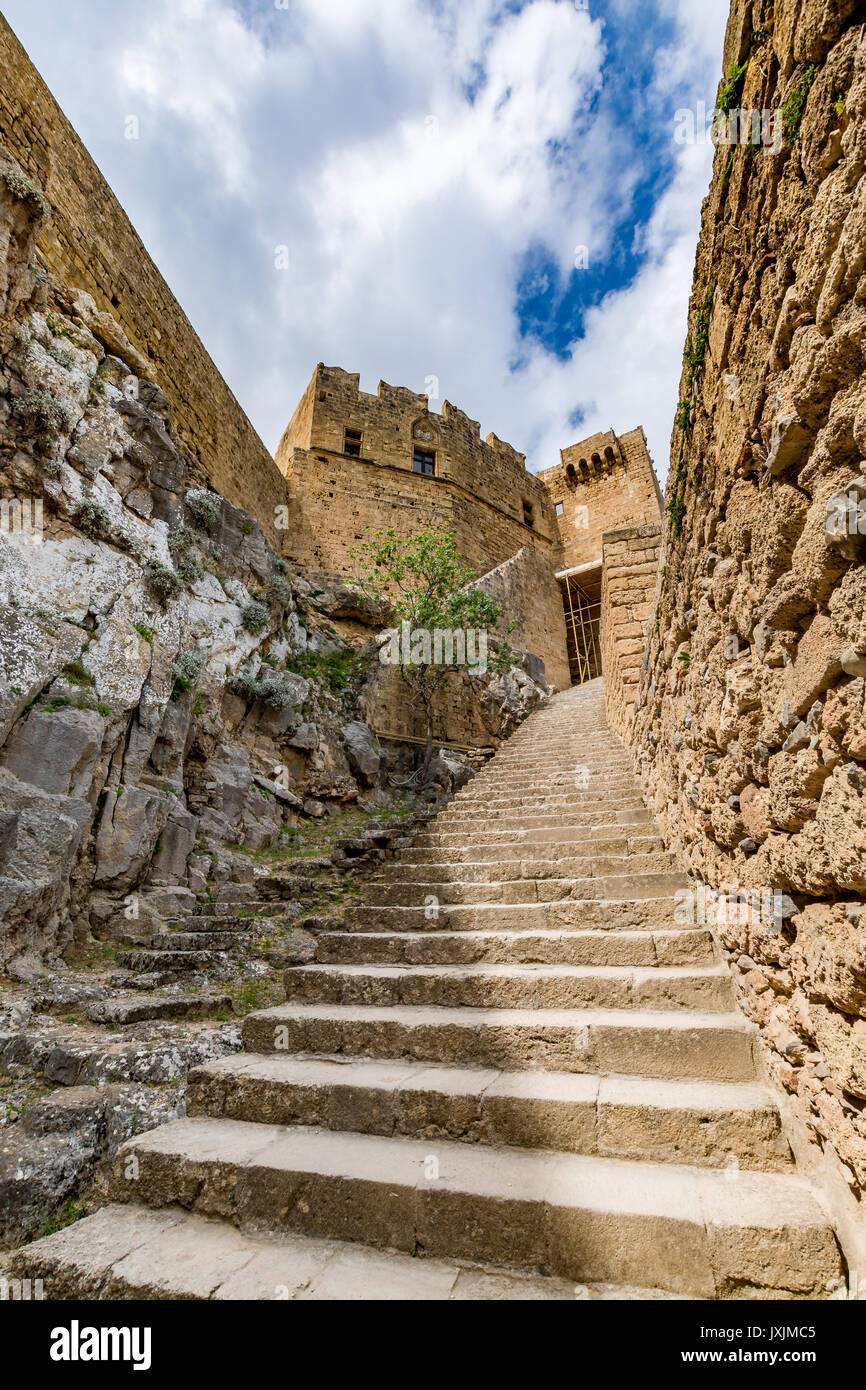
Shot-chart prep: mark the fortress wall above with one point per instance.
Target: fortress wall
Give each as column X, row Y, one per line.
column 530, row 596
column 392, row 422
column 629, row 582
column 750, row 727
column 601, row 498
column 335, row 499
column 90, row 244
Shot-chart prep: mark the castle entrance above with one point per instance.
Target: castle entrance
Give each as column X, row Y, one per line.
column 581, row 598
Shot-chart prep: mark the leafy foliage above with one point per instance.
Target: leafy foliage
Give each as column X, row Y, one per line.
column 26, row 191
column 91, row 518
column 256, row 617
column 794, row 105
column 182, row 544
column 732, row 90
column 272, row 688
column 186, row 669
column 162, row 580
column 204, row 510
column 429, row 587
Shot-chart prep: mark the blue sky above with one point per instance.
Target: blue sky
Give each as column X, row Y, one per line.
column 481, row 198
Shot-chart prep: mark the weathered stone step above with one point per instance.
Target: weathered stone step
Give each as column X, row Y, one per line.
column 704, row 989
column 243, row 911
column 558, row 758
column 135, row 1252
column 420, row 887
column 557, row 915
column 683, row 946
column 140, row 1008
column 197, row 941
column 703, row 1047
column 691, row 1230
column 708, row 1124
column 553, row 839
column 486, row 845
column 173, row 961
column 526, row 865
column 513, row 820
column 493, row 789
column 551, row 801
column 235, row 925
column 546, row 784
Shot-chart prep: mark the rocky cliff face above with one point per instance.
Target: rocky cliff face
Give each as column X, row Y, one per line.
column 751, row 719
column 168, row 690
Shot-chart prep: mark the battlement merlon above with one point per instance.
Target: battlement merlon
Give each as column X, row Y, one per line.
column 601, row 483
column 395, row 427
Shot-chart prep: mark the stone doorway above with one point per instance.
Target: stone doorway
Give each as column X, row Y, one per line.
column 581, row 598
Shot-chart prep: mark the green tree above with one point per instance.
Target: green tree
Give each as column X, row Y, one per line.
column 437, row 607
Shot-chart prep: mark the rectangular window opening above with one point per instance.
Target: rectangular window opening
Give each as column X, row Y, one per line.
column 560, row 508
column 424, row 461
column 528, row 514
column 352, row 444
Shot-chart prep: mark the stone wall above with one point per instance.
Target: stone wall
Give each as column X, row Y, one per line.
column 751, row 726
column 393, row 422
column 604, row 483
column 334, row 500
column 629, row 583
column 91, row 245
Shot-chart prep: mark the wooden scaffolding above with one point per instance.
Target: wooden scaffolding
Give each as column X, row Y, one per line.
column 582, row 620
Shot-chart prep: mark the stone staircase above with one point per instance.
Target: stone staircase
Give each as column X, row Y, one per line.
column 511, row 1061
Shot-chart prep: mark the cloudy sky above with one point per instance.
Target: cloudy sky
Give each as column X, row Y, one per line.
column 482, row 197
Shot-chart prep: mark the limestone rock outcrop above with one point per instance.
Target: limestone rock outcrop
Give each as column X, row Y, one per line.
column 168, row 688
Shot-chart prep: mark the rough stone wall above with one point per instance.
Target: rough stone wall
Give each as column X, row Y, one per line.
column 604, row 483
column 394, row 421
column 628, row 592
column 751, row 726
column 334, row 500
column 91, row 245
column 530, row 597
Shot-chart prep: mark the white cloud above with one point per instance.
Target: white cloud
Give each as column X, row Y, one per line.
column 346, row 131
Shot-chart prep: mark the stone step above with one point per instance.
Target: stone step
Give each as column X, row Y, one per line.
column 420, row 888
column 235, row 925
column 580, row 779
column 141, row 1008
column 558, row 836
column 242, row 911
column 487, row 846
column 558, row 759
column 692, row 1230
column 558, row 915
column 513, row 819
column 543, row 788
column 677, row 1044
column 705, row 989
column 171, row 961
column 713, row 1125
column 682, row 946
column 529, row 865
column 197, row 941
column 550, row 801
column 133, row 1252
